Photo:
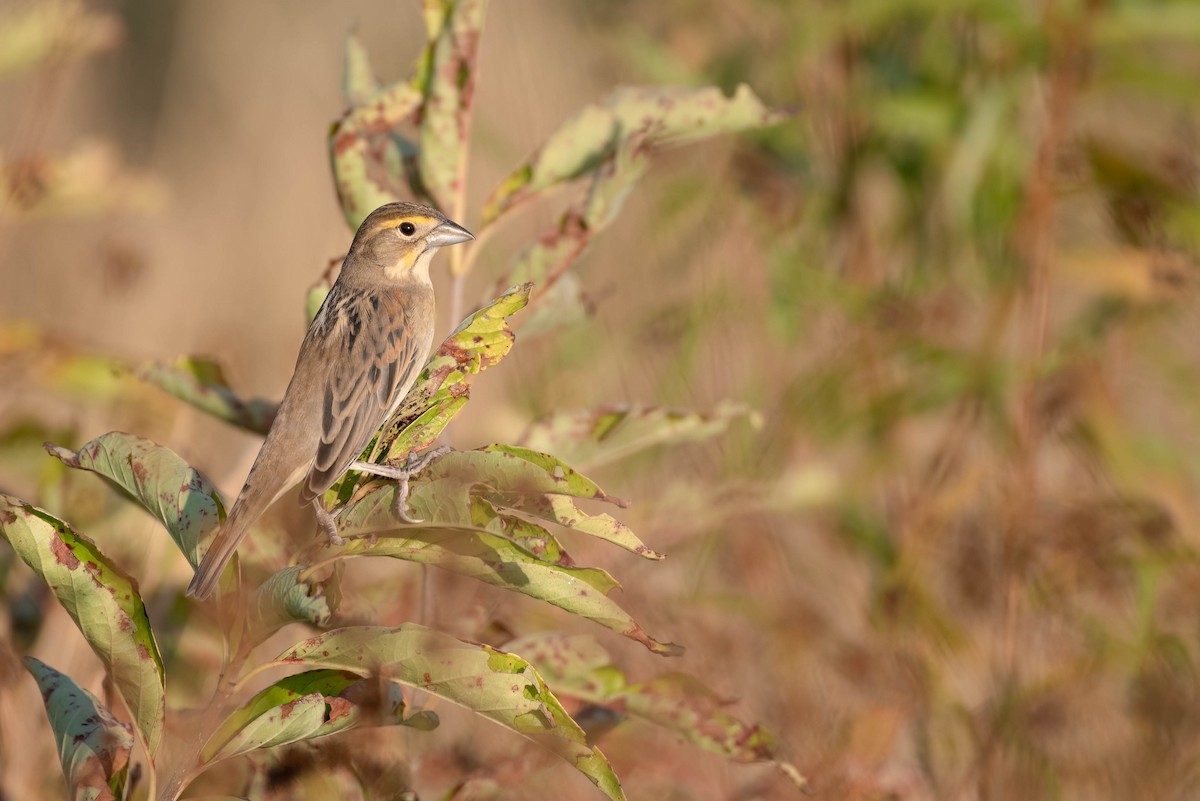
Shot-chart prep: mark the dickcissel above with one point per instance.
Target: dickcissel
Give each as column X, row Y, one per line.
column 361, row 355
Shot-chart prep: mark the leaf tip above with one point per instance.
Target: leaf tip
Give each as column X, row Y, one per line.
column 65, row 455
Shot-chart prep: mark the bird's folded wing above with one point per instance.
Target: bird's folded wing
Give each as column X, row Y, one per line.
column 374, row 360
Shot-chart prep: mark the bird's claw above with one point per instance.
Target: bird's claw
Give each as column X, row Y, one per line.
column 413, row 463
column 400, row 502
column 327, row 524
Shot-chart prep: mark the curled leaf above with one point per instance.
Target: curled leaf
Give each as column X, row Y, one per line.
column 539, row 485
column 368, row 158
column 181, row 498
column 284, row 598
column 610, row 143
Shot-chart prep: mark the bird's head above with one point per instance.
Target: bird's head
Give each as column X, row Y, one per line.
column 401, row 238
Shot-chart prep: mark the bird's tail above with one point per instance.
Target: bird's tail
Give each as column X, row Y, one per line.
column 208, row 574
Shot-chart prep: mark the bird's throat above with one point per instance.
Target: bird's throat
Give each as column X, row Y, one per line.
column 408, row 269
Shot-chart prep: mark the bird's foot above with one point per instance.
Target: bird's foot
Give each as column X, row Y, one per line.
column 326, row 523
column 414, row 463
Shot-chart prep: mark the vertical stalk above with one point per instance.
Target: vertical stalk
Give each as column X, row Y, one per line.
column 1036, row 249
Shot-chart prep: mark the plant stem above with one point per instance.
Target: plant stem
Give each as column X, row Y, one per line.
column 188, row 764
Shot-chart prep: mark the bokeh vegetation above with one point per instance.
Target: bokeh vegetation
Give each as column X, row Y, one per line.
column 937, row 529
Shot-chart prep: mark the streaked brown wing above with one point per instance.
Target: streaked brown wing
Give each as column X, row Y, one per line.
column 376, row 360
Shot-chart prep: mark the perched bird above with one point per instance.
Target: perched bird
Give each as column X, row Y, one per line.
column 359, row 358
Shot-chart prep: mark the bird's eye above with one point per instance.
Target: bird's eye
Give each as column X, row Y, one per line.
column 407, row 228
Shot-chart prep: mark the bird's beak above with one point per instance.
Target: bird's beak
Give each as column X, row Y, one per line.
column 448, row 233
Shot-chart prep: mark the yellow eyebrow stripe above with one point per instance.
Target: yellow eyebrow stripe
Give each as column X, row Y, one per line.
column 392, row 222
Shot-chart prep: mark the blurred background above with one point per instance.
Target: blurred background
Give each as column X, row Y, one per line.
column 953, row 552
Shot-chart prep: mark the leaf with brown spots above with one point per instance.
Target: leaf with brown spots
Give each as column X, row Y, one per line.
column 103, row 601
column 498, row 686
column 307, row 705
column 183, row 500
column 93, row 745
column 447, row 80
column 368, row 156
column 580, row 667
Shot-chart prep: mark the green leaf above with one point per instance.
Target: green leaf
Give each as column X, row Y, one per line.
column 170, row 489
column 647, row 117
column 479, row 342
column 501, row 687
column 201, row 382
column 590, row 439
column 101, row 599
column 562, row 510
column 530, row 537
column 526, row 470
column 449, row 89
column 312, row 704
column 546, row 261
column 93, row 745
